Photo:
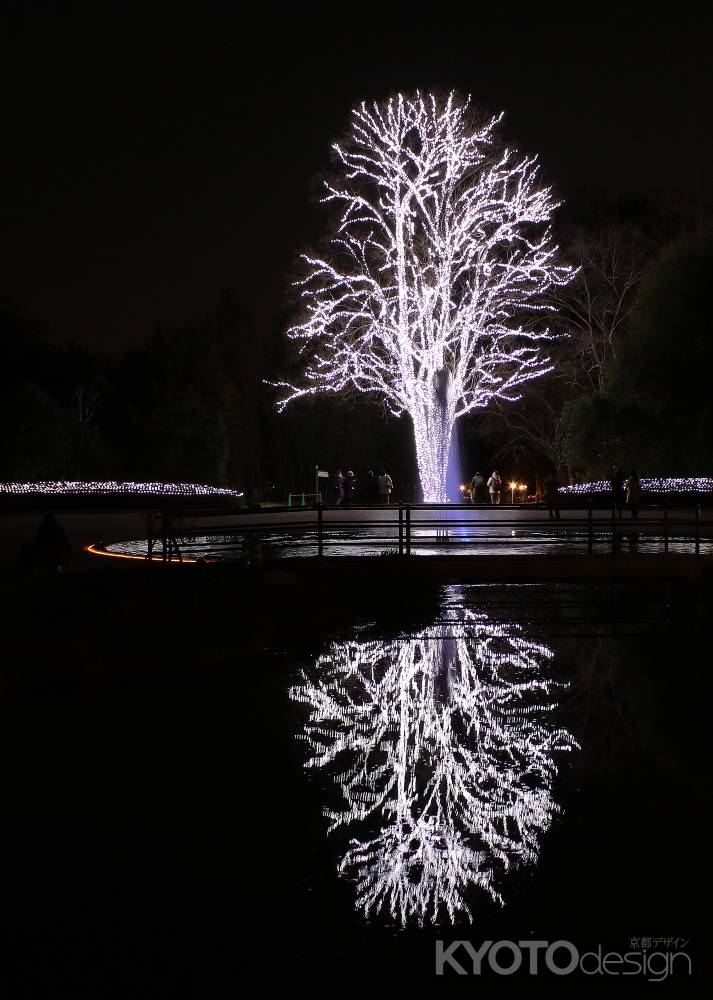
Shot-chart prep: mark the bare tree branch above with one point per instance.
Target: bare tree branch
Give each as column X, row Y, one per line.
column 434, row 295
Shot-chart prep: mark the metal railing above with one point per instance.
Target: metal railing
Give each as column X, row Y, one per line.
column 303, row 499
column 407, row 529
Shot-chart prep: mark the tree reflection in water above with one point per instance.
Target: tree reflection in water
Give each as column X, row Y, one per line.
column 443, row 754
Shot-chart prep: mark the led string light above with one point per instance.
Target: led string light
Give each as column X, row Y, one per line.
column 437, row 274
column 443, row 756
column 74, row 488
column 692, row 484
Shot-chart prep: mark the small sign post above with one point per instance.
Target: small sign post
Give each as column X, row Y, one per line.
column 319, row 474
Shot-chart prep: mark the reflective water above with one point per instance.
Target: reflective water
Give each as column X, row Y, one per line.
column 371, row 542
column 518, row 766
column 442, row 749
column 313, row 778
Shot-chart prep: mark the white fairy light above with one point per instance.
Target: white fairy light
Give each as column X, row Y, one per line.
column 438, row 269
column 656, row 484
column 441, row 750
column 79, row 488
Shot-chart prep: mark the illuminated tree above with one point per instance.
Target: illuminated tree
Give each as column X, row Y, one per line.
column 432, row 295
column 443, row 756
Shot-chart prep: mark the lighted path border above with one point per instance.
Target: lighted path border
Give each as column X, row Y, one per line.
column 686, row 485
column 70, row 488
column 94, row 550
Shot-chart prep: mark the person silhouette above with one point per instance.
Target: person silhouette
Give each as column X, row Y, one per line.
column 617, row 488
column 552, row 498
column 50, row 546
column 478, row 488
column 495, row 485
column 633, row 494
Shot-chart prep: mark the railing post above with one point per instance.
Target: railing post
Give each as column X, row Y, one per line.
column 408, row 529
column 698, row 529
column 613, row 530
column 320, row 538
column 401, row 529
column 665, row 525
column 590, row 527
column 149, row 537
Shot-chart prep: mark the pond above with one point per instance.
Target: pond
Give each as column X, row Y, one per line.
column 365, row 541
column 522, row 767
column 328, row 800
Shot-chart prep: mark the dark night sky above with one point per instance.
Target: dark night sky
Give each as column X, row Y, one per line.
column 150, row 160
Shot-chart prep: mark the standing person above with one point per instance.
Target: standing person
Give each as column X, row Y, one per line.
column 371, row 489
column 349, row 487
column 617, row 488
column 539, row 492
column 50, row 548
column 477, row 484
column 495, row 485
column 552, row 498
column 633, row 494
column 385, row 486
column 338, row 488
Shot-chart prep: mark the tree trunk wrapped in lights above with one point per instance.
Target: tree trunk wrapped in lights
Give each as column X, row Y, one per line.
column 443, row 755
column 432, row 295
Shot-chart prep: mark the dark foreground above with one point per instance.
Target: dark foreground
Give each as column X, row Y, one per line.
column 159, row 833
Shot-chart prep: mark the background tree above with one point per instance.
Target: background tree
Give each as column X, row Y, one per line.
column 595, row 308
column 655, row 412
column 432, row 294
column 597, row 303
column 48, row 405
